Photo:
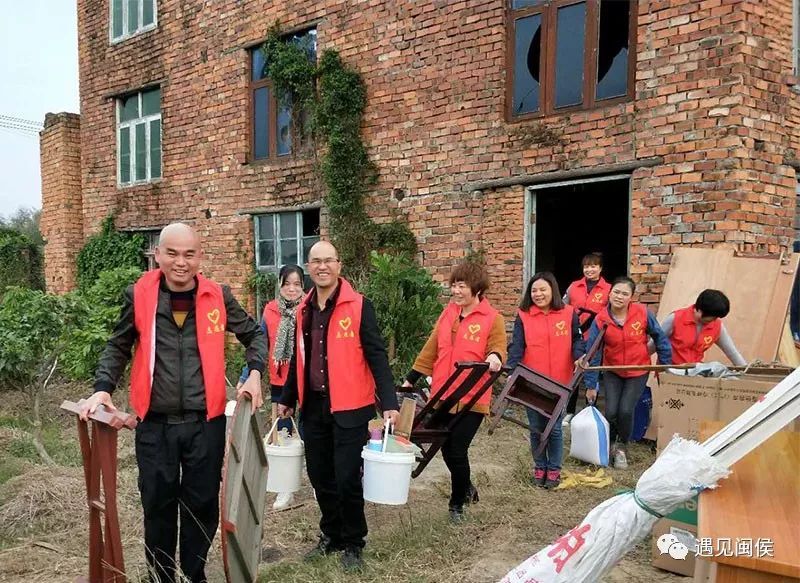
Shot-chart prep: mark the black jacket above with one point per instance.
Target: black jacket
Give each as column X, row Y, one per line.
column 375, row 354
column 177, row 375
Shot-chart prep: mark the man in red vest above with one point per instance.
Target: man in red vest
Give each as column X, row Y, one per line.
column 177, row 319
column 339, row 364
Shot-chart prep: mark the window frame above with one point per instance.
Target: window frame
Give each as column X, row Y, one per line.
column 274, row 268
column 131, row 125
column 272, row 108
column 548, row 10
column 796, row 37
column 125, row 16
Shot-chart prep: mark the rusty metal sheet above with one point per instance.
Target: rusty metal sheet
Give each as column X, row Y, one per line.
column 244, row 492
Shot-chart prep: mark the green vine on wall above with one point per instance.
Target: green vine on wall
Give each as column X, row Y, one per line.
column 109, row 249
column 329, row 99
column 20, row 261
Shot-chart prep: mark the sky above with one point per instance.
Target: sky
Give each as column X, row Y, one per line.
column 38, row 74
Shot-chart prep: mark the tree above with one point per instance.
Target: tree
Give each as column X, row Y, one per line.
column 25, row 220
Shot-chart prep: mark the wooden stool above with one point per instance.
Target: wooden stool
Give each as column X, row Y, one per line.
column 539, row 393
column 431, row 427
column 106, row 564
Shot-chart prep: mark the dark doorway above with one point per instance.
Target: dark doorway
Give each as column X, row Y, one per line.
column 578, row 218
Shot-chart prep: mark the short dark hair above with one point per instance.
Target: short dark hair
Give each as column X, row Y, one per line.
column 593, row 258
column 712, row 303
column 555, row 304
column 473, row 274
column 626, row 280
column 289, row 269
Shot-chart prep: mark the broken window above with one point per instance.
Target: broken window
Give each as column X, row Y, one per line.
column 569, row 54
column 271, row 129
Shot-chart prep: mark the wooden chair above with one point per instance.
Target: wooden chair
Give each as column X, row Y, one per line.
column 431, row 426
column 106, row 564
column 539, row 393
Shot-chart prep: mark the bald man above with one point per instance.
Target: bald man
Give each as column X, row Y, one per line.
column 339, row 366
column 177, row 319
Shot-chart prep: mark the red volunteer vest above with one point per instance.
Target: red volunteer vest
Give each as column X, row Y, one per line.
column 352, row 385
column 595, row 300
column 626, row 344
column 548, row 342
column 272, row 318
column 211, row 321
column 687, row 345
column 468, row 344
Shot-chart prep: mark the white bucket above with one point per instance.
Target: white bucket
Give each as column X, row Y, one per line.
column 285, row 463
column 387, row 476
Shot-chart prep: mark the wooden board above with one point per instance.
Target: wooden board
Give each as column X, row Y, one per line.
column 787, row 351
column 244, row 492
column 759, row 289
column 761, row 499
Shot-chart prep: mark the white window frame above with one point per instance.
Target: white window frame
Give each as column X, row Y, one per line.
column 277, row 238
column 126, row 35
column 796, row 37
column 131, row 125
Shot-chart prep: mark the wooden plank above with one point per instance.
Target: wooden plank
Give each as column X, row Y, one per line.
column 759, row 500
column 244, row 482
column 759, row 289
column 787, row 351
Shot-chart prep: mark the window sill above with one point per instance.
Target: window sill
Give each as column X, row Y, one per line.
column 127, row 185
column 568, row 110
column 137, row 32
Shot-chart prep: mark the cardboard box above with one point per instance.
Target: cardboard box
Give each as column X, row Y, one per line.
column 683, row 402
column 685, row 533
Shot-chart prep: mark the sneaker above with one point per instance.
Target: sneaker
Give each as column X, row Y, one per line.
column 553, row 479
column 325, row 546
column 620, row 460
column 538, row 477
column 457, row 515
column 284, row 500
column 472, row 495
column 352, row 560
column 567, row 418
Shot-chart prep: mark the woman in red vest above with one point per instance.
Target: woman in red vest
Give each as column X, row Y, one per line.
column 547, row 338
column 469, row 329
column 694, row 329
column 588, row 295
column 278, row 324
column 628, row 327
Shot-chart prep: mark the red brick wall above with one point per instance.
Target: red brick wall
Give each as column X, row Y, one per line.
column 708, row 84
column 62, row 219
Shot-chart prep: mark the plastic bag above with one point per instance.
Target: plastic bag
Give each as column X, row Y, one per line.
column 589, row 433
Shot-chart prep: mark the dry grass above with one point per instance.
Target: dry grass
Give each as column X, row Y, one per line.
column 43, row 526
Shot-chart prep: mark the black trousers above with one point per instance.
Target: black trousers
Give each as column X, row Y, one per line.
column 180, row 467
column 333, row 460
column 622, row 395
column 455, row 452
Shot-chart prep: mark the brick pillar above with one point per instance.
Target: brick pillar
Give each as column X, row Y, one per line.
column 62, row 206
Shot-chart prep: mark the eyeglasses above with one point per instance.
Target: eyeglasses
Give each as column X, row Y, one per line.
column 317, row 262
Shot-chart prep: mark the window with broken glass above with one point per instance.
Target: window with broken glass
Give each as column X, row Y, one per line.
column 568, row 54
column 271, row 129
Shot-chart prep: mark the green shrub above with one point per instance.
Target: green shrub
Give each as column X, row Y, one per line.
column 31, row 330
column 95, row 312
column 20, row 261
column 107, row 250
column 406, row 300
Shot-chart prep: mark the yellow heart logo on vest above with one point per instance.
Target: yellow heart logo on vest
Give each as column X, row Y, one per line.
column 708, row 340
column 345, row 323
column 561, row 325
column 474, row 328
column 213, row 316
column 598, row 297
column 636, row 326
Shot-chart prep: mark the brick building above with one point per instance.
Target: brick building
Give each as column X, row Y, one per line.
column 536, row 129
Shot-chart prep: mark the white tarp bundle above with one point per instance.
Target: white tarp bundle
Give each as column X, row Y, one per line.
column 588, row 551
